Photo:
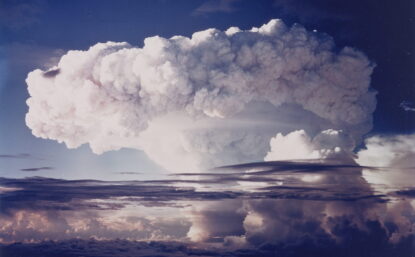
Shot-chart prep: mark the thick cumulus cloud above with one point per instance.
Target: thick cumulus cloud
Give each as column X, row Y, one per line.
column 329, row 144
column 394, row 155
column 388, row 151
column 287, row 220
column 206, row 100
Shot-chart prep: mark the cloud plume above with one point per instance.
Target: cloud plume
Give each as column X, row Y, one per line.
column 197, row 102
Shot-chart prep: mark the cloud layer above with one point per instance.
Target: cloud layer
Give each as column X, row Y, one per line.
column 203, row 100
column 253, row 209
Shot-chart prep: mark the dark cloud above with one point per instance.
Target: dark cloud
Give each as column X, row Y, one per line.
column 407, row 193
column 51, row 73
column 306, row 166
column 17, row 156
column 128, row 173
column 358, row 244
column 46, row 193
column 95, row 248
column 269, row 167
column 273, row 180
column 37, row 169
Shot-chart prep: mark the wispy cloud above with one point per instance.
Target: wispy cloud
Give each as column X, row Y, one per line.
column 17, row 156
column 128, row 173
column 215, row 6
column 407, row 106
column 37, row 169
column 20, row 14
column 312, row 12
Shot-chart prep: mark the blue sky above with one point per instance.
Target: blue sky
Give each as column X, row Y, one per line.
column 33, row 34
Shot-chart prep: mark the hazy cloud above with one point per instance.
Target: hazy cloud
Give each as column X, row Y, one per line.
column 306, row 12
column 20, row 14
column 407, row 106
column 215, row 6
column 17, row 156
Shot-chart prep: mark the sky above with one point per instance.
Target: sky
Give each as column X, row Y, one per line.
column 207, row 127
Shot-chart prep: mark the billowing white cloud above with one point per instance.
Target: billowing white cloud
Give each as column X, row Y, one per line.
column 394, row 156
column 295, row 145
column 328, row 144
column 215, row 98
column 388, row 151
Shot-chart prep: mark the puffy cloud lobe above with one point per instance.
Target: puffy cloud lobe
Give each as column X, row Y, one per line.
column 113, row 94
column 296, row 145
column 328, row 144
column 388, row 151
column 395, row 153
